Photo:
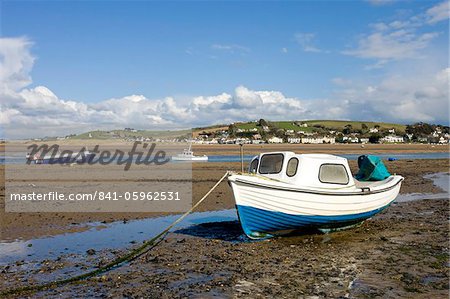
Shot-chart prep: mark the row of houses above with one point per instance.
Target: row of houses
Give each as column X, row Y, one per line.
column 311, row 139
column 305, row 140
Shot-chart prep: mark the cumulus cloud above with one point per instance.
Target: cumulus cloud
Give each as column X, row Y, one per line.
column 399, row 98
column 39, row 112
column 16, row 62
column 400, row 39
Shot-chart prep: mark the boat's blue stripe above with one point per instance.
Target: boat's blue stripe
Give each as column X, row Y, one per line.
column 255, row 220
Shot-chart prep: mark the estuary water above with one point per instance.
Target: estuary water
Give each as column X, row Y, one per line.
column 20, row 157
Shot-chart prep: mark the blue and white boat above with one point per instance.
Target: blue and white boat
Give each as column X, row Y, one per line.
column 61, row 158
column 284, row 191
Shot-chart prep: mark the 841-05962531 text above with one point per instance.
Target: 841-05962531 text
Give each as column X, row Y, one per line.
column 98, row 195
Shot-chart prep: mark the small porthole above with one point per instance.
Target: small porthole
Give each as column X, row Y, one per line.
column 292, row 166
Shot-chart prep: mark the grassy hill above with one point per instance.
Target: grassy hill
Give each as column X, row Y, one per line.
column 313, row 125
column 337, row 125
column 123, row 134
column 340, row 124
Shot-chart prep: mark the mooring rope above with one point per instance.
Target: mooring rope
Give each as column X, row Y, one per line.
column 132, row 255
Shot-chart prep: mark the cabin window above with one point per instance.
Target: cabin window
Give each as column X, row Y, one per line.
column 292, row 165
column 253, row 166
column 271, row 163
column 333, row 174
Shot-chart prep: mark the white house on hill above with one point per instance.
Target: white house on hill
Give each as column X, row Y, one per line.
column 275, row 139
column 294, row 140
column 318, row 140
column 392, row 139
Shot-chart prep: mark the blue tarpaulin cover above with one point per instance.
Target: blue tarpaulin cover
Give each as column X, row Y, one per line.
column 371, row 168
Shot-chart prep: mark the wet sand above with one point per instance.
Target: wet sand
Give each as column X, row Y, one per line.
column 402, row 252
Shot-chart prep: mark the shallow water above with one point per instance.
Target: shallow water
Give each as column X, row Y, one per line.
column 114, row 235
column 19, row 158
column 440, row 179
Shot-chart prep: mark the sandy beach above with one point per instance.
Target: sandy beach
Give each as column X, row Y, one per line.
column 402, row 252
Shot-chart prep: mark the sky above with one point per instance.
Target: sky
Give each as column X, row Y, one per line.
column 72, row 66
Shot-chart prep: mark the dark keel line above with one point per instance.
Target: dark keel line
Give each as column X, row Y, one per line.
column 132, row 255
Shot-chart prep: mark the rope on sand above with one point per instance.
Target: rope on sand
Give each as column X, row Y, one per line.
column 132, row 255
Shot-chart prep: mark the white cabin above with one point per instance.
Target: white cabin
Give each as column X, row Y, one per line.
column 308, row 170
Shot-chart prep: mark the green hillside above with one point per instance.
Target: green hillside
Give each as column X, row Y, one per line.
column 337, row 125
column 123, row 134
column 312, row 126
column 340, row 124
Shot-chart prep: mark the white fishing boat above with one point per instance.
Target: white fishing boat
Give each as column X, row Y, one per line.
column 284, row 191
column 188, row 155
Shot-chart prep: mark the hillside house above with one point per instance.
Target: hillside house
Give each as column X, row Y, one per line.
column 351, row 139
column 275, row 139
column 257, row 137
column 364, row 140
column 294, row 140
column 318, row 140
column 422, row 139
column 392, row 139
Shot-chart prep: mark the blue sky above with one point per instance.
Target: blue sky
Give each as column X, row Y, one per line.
column 92, row 51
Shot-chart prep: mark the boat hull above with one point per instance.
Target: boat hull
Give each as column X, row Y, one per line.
column 65, row 159
column 258, row 223
column 195, row 159
column 265, row 211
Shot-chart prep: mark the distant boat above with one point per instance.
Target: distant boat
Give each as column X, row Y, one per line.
column 58, row 158
column 284, row 191
column 188, row 155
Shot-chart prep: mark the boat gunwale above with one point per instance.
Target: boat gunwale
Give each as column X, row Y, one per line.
column 359, row 193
